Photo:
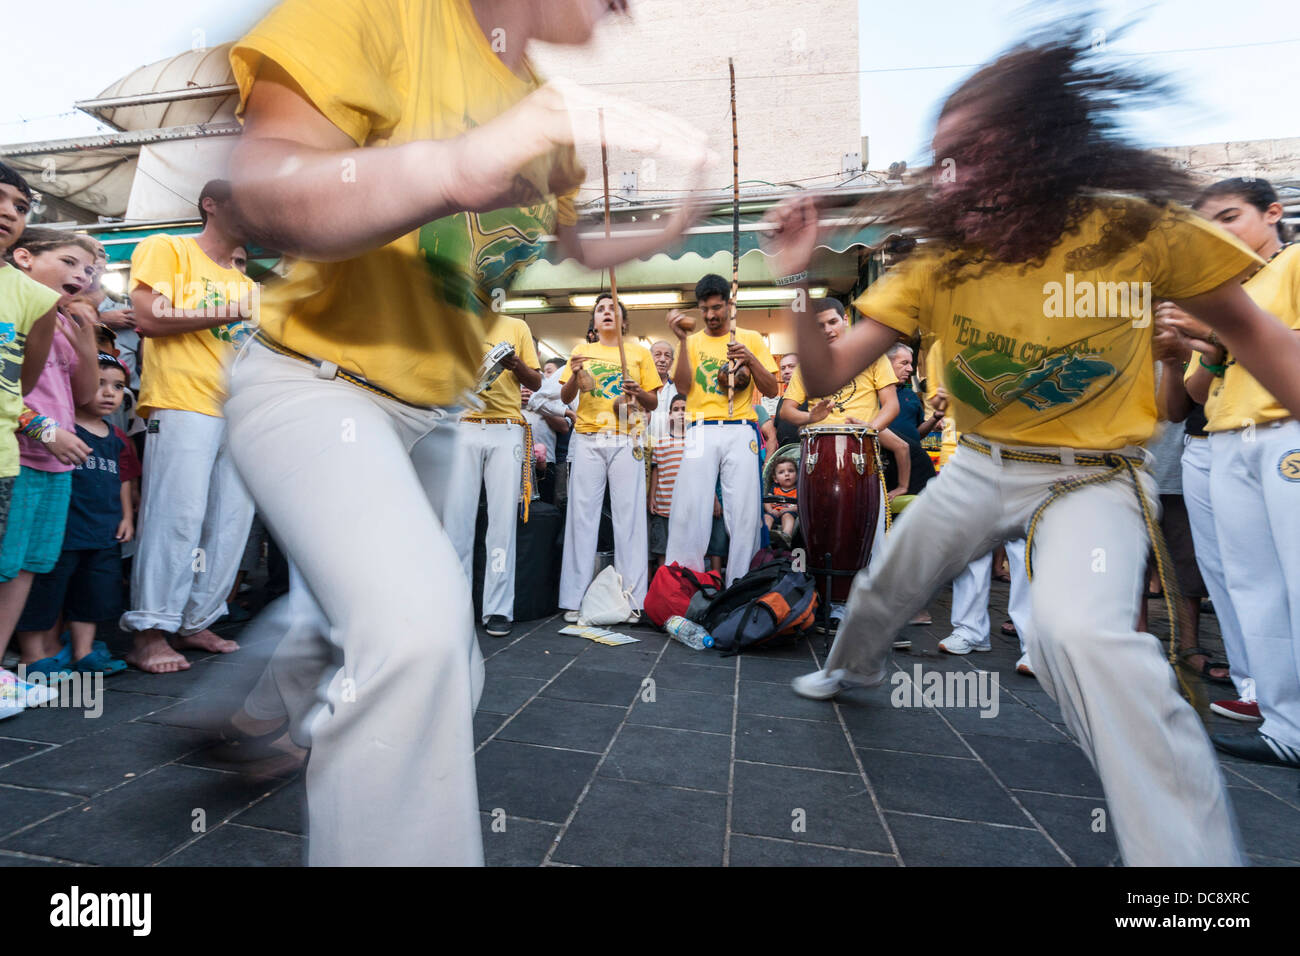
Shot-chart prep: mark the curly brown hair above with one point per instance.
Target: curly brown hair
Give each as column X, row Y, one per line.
column 1038, row 125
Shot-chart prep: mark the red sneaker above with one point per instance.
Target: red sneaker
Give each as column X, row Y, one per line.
column 1237, row 709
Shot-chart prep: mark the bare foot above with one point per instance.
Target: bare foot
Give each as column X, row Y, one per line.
column 205, row 640
column 154, row 655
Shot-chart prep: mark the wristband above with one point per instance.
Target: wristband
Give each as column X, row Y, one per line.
column 791, row 280
column 40, row 427
column 1218, row 370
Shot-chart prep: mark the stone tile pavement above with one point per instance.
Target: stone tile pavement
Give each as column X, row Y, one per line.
column 645, row 754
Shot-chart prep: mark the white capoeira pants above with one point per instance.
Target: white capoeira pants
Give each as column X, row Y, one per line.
column 597, row 458
column 194, row 519
column 1209, row 560
column 491, row 457
column 352, row 485
column 970, row 597
column 1255, row 491
column 1117, row 692
column 716, row 452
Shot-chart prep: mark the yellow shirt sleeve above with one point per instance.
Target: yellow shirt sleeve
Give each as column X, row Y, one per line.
column 1188, row 256
column 794, row 392
column 155, row 264
column 754, row 342
column 341, row 52
column 524, row 346
column 896, row 298
column 649, row 375
column 882, row 373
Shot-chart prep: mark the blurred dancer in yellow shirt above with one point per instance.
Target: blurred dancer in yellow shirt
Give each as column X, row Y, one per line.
column 409, row 156
column 1052, row 395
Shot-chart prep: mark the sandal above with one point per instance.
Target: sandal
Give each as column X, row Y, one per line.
column 1210, row 664
column 1009, row 629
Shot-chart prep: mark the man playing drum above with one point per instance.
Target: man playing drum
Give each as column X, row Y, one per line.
column 721, row 445
column 869, row 399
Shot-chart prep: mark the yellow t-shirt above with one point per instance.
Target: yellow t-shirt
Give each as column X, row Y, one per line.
column 1060, row 354
column 188, row 371
column 596, row 407
column 409, row 316
column 1237, row 399
column 502, row 399
column 948, row 436
column 858, row 399
column 708, row 353
column 23, row 300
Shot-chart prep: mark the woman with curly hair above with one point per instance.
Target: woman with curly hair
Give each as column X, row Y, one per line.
column 1048, row 237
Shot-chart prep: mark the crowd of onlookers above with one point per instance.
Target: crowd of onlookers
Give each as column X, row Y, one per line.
column 705, row 476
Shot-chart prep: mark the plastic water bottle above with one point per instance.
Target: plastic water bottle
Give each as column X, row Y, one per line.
column 688, row 632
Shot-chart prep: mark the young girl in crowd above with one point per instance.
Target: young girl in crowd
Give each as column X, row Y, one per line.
column 48, row 446
column 1255, row 475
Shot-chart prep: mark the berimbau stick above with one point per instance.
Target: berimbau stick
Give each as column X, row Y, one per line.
column 735, row 236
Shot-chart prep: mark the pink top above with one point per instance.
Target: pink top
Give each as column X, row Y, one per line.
column 52, row 397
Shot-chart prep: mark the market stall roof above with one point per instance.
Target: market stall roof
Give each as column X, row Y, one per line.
column 189, row 97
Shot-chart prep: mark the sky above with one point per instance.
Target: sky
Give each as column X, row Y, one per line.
column 1239, row 79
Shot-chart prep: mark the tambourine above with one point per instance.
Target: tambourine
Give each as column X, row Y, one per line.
column 494, row 363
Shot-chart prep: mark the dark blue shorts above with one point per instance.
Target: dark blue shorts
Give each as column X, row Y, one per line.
column 84, row 585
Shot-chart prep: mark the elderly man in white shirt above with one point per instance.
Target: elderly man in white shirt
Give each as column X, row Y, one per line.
column 663, row 354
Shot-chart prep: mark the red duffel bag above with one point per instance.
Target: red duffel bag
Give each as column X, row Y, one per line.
column 672, row 589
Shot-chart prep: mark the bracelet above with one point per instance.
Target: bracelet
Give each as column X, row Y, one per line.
column 40, row 427
column 1218, row 370
column 791, row 280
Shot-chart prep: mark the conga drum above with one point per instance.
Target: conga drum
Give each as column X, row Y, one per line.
column 839, row 503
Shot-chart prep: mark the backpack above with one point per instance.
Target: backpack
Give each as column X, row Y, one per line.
column 673, row 588
column 768, row 605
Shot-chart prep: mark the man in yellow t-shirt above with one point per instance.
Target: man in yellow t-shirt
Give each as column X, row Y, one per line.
column 869, row 399
column 190, row 304
column 722, row 444
column 491, row 455
column 413, row 165
column 608, row 446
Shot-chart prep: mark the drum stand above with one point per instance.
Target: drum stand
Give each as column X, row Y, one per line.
column 824, row 607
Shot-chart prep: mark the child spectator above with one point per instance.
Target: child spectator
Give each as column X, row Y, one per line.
column 27, row 310
column 665, row 459
column 33, row 536
column 785, row 507
column 85, row 585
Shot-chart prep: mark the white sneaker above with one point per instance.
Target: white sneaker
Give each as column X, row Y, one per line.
column 571, row 617
column 1022, row 666
column 956, row 644
column 823, row 685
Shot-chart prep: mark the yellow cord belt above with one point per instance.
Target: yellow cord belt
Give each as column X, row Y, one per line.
column 1118, row 466
column 526, row 478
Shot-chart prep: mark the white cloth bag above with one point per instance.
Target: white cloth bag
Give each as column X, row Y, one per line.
column 606, row 602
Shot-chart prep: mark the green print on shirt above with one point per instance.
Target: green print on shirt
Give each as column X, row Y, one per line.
column 609, row 379
column 498, row 245
column 706, row 374
column 995, row 370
